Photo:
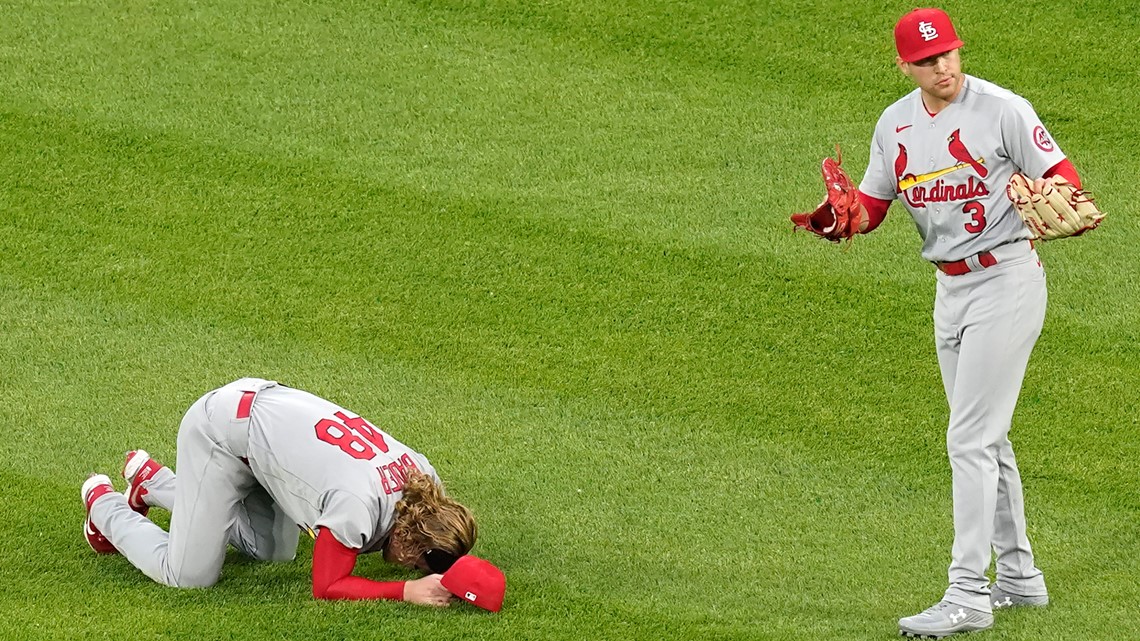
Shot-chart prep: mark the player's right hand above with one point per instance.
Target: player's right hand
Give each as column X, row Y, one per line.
column 840, row 216
column 427, row 591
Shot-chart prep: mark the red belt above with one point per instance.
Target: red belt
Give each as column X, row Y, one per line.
column 245, row 404
column 243, row 409
column 959, row 267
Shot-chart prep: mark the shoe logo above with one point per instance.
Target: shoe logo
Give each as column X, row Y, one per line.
column 999, row 604
column 90, row 529
column 899, row 129
column 956, row 616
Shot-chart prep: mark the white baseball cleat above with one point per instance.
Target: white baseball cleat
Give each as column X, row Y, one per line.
column 139, row 468
column 93, row 488
column 1001, row 599
column 943, row 619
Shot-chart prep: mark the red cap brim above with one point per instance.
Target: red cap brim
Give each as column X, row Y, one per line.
column 933, row 50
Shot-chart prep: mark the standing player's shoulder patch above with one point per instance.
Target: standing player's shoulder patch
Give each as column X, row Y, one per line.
column 1042, row 140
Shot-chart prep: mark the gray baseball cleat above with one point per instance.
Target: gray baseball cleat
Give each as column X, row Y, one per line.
column 943, row 619
column 1002, row 599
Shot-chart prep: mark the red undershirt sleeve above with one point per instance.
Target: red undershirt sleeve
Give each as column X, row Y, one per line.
column 332, row 574
column 876, row 209
column 1066, row 170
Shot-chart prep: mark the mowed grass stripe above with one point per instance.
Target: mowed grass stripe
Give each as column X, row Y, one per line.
column 520, row 302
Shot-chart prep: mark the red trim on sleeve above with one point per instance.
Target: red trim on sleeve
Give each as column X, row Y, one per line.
column 876, row 209
column 332, row 574
column 1066, row 170
column 245, row 404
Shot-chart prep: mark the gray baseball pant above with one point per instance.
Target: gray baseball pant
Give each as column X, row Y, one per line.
column 986, row 323
column 214, row 501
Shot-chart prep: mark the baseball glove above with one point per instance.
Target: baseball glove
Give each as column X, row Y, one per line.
column 1058, row 210
column 839, row 215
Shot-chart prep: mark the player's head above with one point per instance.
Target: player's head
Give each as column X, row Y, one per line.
column 927, row 48
column 429, row 524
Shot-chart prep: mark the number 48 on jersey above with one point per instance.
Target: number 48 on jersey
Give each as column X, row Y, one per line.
column 353, row 435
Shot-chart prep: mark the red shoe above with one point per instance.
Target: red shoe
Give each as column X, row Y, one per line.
column 138, row 468
column 93, row 488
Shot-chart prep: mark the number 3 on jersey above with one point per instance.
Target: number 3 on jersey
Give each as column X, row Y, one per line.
column 977, row 213
column 353, row 435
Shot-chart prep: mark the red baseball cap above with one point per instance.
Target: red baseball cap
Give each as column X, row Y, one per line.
column 923, row 33
column 476, row 581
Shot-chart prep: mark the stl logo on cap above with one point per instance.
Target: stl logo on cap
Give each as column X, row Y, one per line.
column 477, row 581
column 927, row 31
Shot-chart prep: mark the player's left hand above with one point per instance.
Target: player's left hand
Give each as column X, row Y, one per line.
column 427, row 591
column 1053, row 207
column 840, row 216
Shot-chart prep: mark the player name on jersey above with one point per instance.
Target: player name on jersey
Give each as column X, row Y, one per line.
column 395, row 474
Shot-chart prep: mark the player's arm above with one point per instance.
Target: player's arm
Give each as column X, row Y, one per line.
column 876, row 180
column 874, row 211
column 333, row 563
column 1063, row 170
column 1066, row 170
column 1029, row 144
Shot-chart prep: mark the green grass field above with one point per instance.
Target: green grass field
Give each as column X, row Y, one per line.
column 546, row 244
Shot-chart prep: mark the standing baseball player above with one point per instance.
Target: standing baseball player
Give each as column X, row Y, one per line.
column 257, row 463
column 947, row 151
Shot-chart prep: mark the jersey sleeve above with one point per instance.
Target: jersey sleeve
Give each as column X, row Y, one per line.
column 1026, row 140
column 877, row 181
column 348, row 518
column 332, row 574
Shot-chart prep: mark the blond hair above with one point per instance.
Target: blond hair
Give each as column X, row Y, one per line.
column 427, row 519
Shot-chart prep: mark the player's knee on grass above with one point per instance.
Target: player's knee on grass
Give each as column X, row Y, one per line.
column 200, row 572
column 193, row 580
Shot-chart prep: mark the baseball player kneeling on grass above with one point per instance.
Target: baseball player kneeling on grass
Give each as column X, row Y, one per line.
column 982, row 179
column 257, row 463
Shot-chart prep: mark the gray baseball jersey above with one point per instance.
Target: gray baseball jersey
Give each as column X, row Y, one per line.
column 950, row 171
column 328, row 467
column 255, row 461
